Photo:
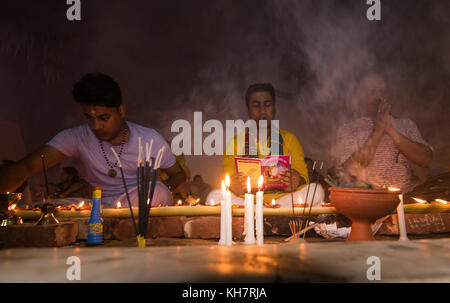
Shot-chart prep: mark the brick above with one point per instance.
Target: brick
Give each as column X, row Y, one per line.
column 32, row 235
column 418, row 224
column 208, row 227
column 157, row 227
column 83, row 228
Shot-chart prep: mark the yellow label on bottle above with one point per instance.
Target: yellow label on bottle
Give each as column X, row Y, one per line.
column 97, row 194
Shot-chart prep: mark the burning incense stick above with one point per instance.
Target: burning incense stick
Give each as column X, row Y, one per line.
column 45, row 177
column 126, row 189
column 312, row 201
column 292, row 222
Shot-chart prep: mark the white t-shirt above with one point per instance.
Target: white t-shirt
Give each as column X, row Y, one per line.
column 80, row 142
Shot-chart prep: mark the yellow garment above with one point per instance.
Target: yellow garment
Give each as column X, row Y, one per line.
column 291, row 147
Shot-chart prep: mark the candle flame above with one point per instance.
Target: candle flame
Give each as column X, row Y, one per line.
column 179, row 202
column 198, row 200
column 442, row 201
column 80, row 204
column 260, row 182
column 420, row 200
column 393, row 188
column 119, row 205
column 249, row 185
column 273, row 202
column 12, row 207
column 148, row 201
column 212, row 201
column 227, row 181
column 300, row 200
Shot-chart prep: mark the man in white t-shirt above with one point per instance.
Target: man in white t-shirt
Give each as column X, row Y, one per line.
column 100, row 98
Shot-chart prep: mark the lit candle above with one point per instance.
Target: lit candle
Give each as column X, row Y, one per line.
column 228, row 214
column 118, row 205
column 222, row 217
column 400, row 216
column 80, row 205
column 420, row 200
column 179, row 203
column 439, row 201
column 259, row 213
column 249, row 219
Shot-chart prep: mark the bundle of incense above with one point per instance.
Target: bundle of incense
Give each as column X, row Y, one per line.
column 145, row 170
column 307, row 194
column 312, row 200
column 293, row 224
column 44, row 169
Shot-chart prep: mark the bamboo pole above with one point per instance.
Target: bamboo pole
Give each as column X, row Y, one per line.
column 215, row 211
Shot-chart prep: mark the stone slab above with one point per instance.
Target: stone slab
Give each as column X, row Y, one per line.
column 123, row 229
column 417, row 224
column 32, row 235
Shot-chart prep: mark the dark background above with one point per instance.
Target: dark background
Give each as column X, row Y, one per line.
column 172, row 58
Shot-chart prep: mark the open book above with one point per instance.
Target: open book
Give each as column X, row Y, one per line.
column 270, row 167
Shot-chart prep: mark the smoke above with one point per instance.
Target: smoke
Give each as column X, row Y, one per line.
column 174, row 58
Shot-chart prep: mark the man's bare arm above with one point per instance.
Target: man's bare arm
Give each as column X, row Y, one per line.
column 176, row 175
column 13, row 177
column 416, row 152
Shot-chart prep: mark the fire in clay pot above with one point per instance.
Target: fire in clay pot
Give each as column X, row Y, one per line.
column 363, row 207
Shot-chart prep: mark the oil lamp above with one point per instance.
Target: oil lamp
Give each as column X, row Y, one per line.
column 10, row 218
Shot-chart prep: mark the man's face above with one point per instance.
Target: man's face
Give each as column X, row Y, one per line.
column 105, row 122
column 261, row 107
column 373, row 90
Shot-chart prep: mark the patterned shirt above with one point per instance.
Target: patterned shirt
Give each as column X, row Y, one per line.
column 388, row 166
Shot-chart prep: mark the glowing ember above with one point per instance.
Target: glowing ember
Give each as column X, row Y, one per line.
column 119, row 205
column 260, row 182
column 80, row 205
column 249, row 186
column 420, row 200
column 441, row 200
column 393, row 189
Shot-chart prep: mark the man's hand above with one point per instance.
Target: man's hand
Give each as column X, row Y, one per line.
column 238, row 183
column 285, row 178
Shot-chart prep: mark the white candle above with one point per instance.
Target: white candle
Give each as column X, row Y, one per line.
column 222, row 217
column 401, row 220
column 259, row 213
column 228, row 214
column 249, row 219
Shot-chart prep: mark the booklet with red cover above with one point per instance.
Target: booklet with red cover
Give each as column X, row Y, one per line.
column 270, row 167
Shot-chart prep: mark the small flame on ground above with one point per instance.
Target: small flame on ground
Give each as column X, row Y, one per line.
column 420, row 200
column 80, row 204
column 442, row 201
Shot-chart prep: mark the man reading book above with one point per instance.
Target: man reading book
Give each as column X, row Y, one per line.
column 260, row 100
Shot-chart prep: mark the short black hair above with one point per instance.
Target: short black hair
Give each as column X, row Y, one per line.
column 97, row 89
column 259, row 87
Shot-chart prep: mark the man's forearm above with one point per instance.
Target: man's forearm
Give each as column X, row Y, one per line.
column 13, row 177
column 413, row 151
column 366, row 153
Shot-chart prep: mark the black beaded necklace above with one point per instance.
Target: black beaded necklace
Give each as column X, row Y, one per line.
column 112, row 172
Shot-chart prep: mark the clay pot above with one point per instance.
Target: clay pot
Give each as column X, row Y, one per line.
column 363, row 207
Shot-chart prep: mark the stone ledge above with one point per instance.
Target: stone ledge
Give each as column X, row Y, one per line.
column 32, row 235
column 417, row 224
column 157, row 227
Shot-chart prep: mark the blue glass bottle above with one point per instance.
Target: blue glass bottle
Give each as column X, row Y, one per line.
column 95, row 231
